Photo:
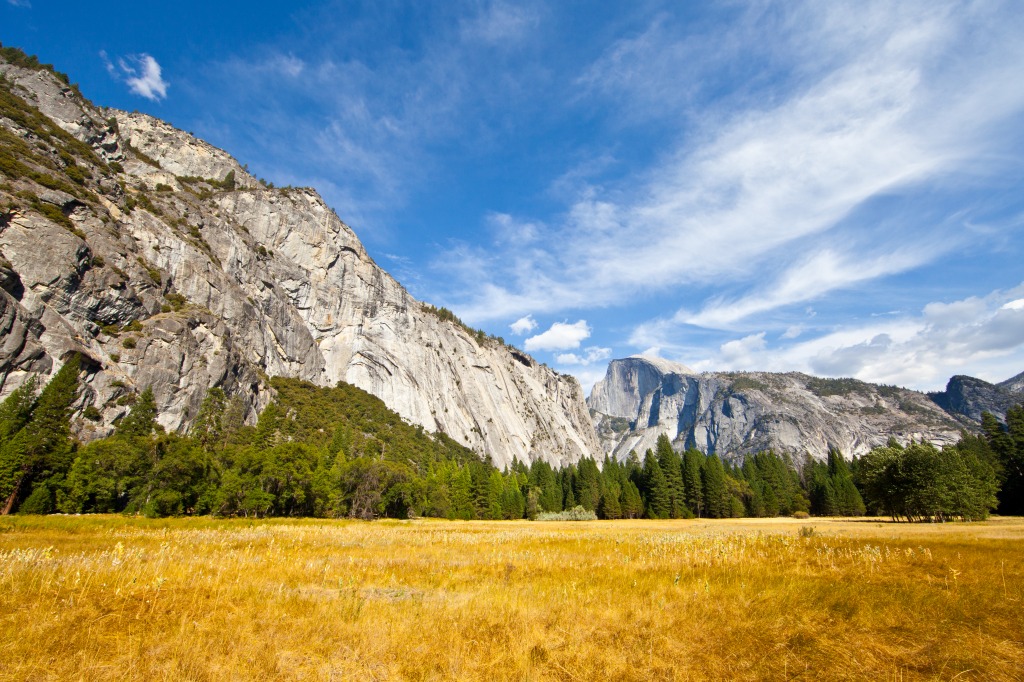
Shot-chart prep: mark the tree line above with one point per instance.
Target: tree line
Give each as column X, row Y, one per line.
column 340, row 452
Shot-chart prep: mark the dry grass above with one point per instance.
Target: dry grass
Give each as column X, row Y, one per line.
column 101, row 598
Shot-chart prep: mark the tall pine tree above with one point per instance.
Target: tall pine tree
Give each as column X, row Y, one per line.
column 655, row 489
column 40, row 453
column 672, row 467
column 716, row 499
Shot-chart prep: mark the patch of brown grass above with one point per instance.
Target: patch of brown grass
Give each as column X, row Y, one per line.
column 99, row 598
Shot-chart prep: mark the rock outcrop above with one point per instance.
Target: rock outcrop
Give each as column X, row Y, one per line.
column 969, row 396
column 167, row 265
column 1014, row 384
column 733, row 414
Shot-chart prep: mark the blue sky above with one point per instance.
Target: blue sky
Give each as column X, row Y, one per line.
column 835, row 188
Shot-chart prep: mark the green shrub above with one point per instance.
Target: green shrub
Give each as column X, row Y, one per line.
column 744, row 383
column 577, row 513
column 53, row 213
column 176, row 300
column 153, row 272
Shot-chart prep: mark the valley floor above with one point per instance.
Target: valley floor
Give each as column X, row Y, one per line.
column 110, row 597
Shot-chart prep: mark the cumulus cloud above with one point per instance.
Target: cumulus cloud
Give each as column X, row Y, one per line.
column 524, row 325
column 738, row 351
column 141, row 73
column 560, row 336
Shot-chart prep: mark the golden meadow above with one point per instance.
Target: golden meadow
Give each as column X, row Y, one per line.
column 112, row 597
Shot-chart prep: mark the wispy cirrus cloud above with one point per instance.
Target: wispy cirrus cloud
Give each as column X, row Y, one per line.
column 360, row 114
column 888, row 113
column 500, row 23
column 813, row 276
column 919, row 350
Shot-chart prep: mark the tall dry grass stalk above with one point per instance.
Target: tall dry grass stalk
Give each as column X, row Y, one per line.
column 102, row 598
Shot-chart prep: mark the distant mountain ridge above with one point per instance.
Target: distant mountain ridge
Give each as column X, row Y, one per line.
column 738, row 413
column 969, row 396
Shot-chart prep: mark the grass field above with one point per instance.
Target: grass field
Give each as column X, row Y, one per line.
column 107, row 597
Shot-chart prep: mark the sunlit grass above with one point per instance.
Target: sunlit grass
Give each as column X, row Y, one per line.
column 100, row 598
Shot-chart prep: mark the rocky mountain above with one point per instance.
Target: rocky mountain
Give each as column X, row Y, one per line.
column 736, row 413
column 165, row 264
column 1013, row 384
column 970, row 397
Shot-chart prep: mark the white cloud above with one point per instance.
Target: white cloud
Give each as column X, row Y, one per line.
column 141, row 73
column 500, row 23
column 560, row 336
column 508, row 230
column 816, row 275
column 883, row 109
column 524, row 325
column 984, row 334
column 591, row 355
column 739, row 351
column 19, row 3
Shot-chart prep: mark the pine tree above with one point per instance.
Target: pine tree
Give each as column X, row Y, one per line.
column 693, row 486
column 588, row 484
column 495, row 488
column 141, row 420
column 632, row 503
column 568, row 479
column 848, row 501
column 267, row 427
column 42, row 448
column 655, row 489
column 461, row 494
column 512, row 502
column 208, row 427
column 672, row 466
column 16, row 409
column 1008, row 446
column 716, row 503
column 609, row 507
column 543, row 477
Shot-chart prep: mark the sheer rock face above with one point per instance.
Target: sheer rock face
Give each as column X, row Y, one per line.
column 969, row 397
column 164, row 278
column 733, row 414
column 1014, row 385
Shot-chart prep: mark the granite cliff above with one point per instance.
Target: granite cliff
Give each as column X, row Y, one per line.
column 736, row 413
column 166, row 265
column 970, row 396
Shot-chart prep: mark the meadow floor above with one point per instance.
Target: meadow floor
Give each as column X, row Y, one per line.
column 111, row 598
